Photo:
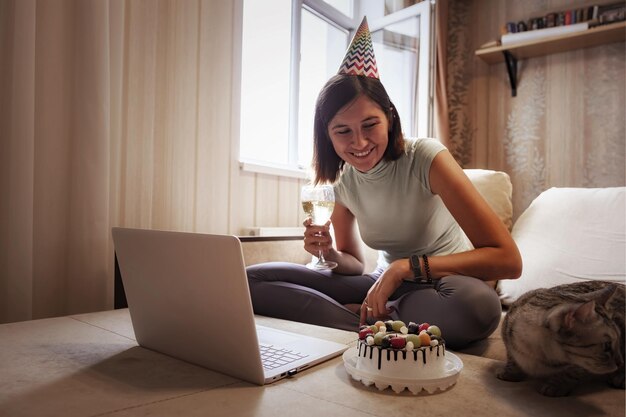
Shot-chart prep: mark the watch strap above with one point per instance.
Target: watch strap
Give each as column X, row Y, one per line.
column 414, row 260
column 429, row 278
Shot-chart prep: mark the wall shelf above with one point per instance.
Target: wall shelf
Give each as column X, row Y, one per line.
column 599, row 35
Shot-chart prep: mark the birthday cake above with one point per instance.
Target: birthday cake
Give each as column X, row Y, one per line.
column 393, row 349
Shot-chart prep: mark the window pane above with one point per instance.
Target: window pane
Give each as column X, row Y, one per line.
column 265, row 80
column 344, row 6
column 396, row 48
column 392, row 6
column 322, row 49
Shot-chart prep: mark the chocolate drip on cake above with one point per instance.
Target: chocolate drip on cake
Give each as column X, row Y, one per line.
column 363, row 351
column 395, row 336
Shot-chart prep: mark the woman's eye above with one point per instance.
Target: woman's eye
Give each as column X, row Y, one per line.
column 607, row 347
column 370, row 125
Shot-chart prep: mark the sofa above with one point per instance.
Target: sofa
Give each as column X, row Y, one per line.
column 565, row 235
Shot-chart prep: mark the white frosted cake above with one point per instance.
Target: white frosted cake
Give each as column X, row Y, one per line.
column 392, row 349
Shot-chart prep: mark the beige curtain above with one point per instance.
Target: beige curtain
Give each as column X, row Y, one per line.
column 442, row 130
column 112, row 113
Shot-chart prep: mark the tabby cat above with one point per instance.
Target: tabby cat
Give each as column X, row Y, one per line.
column 564, row 335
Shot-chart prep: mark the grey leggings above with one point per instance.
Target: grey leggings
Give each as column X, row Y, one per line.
column 465, row 308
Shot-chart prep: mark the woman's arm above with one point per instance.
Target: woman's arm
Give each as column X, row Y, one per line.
column 349, row 252
column 495, row 255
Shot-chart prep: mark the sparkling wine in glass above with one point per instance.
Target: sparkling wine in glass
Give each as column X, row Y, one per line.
column 318, row 203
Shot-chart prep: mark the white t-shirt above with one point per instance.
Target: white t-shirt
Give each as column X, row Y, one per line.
column 396, row 212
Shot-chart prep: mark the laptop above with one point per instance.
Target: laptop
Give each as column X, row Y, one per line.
column 188, row 298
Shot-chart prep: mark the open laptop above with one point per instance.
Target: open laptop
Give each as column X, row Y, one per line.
column 188, row 297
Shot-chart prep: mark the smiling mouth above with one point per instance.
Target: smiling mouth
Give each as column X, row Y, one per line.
column 362, row 154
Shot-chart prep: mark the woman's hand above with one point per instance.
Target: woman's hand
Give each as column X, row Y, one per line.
column 317, row 238
column 375, row 303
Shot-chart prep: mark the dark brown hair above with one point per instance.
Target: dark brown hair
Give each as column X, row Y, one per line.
column 339, row 91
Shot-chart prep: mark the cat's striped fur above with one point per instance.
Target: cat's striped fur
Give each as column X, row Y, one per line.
column 564, row 334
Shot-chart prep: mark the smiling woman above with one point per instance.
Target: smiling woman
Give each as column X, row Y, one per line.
column 411, row 201
column 361, row 142
column 353, row 108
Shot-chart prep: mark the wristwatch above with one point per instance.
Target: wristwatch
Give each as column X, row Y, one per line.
column 414, row 260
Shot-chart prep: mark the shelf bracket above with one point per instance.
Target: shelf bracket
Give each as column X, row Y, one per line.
column 511, row 68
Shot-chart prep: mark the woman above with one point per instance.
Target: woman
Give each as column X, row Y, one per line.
column 415, row 205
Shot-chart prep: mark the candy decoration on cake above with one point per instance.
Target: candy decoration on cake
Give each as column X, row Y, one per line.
column 394, row 349
column 413, row 357
column 359, row 59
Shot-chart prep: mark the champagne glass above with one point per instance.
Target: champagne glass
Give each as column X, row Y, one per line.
column 318, row 202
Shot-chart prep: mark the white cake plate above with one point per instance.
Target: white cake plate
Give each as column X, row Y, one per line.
column 453, row 367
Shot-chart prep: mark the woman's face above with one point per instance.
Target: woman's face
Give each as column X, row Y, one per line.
column 360, row 133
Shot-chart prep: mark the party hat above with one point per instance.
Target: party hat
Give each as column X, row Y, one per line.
column 359, row 59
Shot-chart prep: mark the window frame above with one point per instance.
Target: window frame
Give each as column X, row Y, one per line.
column 336, row 18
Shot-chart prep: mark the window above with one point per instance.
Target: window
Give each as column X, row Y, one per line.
column 290, row 48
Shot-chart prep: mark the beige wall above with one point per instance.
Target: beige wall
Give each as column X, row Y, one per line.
column 566, row 126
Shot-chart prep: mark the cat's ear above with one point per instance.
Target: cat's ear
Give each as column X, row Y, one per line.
column 604, row 295
column 586, row 312
column 565, row 316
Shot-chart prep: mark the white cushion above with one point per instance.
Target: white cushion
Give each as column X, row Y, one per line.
column 568, row 235
column 496, row 188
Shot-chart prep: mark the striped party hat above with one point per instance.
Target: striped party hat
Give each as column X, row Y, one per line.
column 359, row 59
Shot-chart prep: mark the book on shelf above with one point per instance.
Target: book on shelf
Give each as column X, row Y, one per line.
column 567, row 21
column 612, row 13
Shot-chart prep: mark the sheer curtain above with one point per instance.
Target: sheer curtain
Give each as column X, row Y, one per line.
column 111, row 113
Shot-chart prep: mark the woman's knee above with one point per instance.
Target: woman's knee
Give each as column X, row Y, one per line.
column 465, row 308
column 475, row 303
column 270, row 271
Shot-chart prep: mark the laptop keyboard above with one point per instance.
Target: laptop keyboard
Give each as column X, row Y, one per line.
column 273, row 356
